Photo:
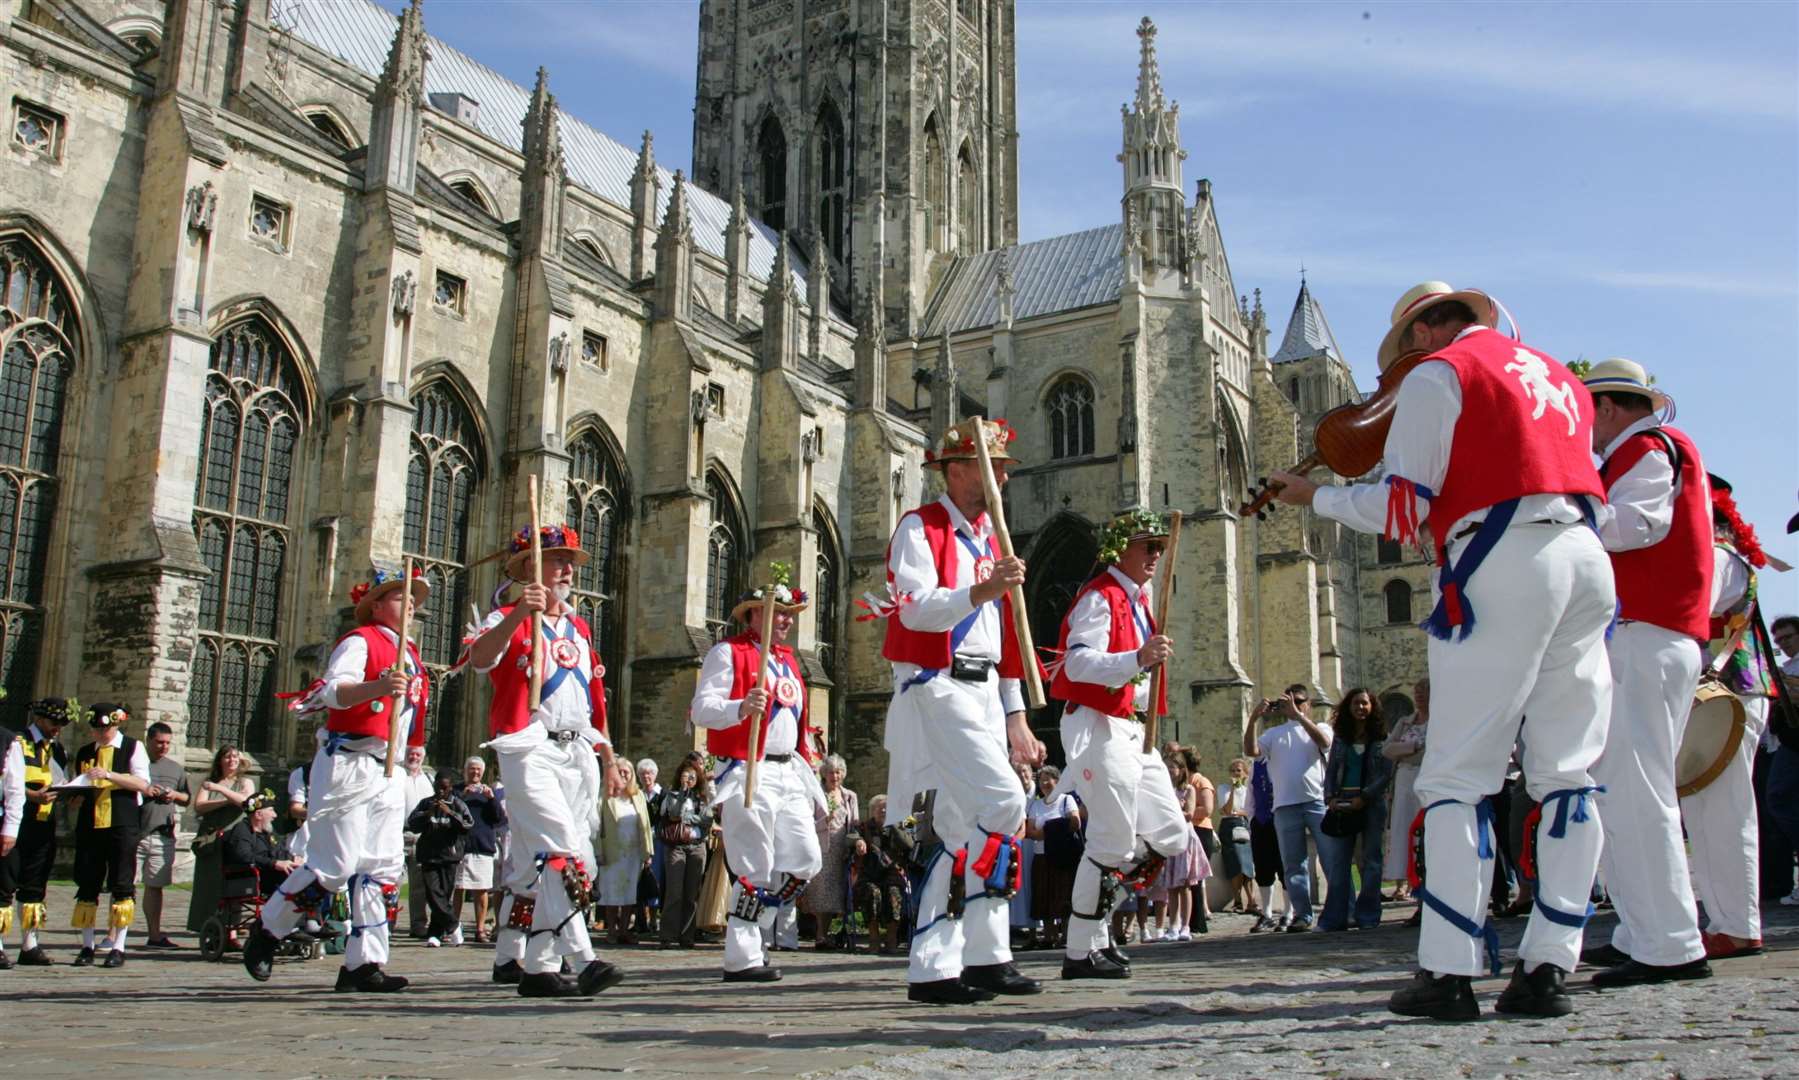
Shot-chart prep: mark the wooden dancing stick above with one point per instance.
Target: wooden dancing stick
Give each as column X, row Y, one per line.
column 396, row 737
column 1033, row 684
column 1164, row 593
column 755, row 748
column 536, row 617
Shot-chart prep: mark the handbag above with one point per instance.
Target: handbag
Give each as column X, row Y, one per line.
column 1237, row 832
column 1341, row 822
column 709, row 912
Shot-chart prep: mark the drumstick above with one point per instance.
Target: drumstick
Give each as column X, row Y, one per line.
column 1021, row 623
column 755, row 749
column 394, row 735
column 536, row 618
column 1164, row 593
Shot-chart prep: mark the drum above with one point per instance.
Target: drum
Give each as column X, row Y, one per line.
column 1714, row 731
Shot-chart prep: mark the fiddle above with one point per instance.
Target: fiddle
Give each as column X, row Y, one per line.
column 1349, row 439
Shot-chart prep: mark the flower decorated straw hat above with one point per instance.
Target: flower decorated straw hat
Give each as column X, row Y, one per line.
column 1625, row 376
column 787, row 599
column 958, row 442
column 1127, row 527
column 551, row 538
column 1427, row 295
column 380, row 582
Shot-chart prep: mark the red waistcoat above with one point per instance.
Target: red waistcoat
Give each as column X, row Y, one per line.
column 932, row 650
column 734, row 742
column 510, row 709
column 365, row 720
column 1669, row 584
column 1526, row 428
column 1124, row 638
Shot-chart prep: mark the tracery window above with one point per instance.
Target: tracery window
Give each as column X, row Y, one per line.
column 936, row 208
column 596, row 503
column 968, row 203
column 1070, row 408
column 727, row 554
column 249, row 432
column 771, row 173
column 38, row 350
column 827, row 582
column 1399, row 601
column 833, row 182
column 441, row 482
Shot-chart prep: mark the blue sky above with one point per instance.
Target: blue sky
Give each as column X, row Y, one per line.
column 1625, row 177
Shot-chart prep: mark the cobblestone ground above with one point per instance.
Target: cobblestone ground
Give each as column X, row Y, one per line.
column 1231, row 1004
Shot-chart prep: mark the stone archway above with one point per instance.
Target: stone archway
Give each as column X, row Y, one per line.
column 1061, row 560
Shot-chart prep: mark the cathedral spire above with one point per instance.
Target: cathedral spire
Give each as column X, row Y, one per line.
column 404, row 74
column 780, row 313
column 674, row 257
column 545, row 176
column 397, row 117
column 646, row 187
column 543, row 130
column 739, row 234
column 1149, row 75
column 1151, row 155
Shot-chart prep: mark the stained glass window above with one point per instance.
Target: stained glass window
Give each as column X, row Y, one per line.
column 596, row 507
column 441, row 481
column 771, row 173
column 827, row 582
column 1070, row 407
column 833, row 173
column 727, row 551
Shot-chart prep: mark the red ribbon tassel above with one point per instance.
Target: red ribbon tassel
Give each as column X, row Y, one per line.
column 1452, row 603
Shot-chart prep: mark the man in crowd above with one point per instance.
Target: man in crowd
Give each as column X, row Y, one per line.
column 26, row 873
column 416, row 785
column 1781, row 791
column 442, row 822
column 156, row 847
column 116, row 771
column 12, row 812
column 1296, row 747
column 1778, row 879
column 250, row 844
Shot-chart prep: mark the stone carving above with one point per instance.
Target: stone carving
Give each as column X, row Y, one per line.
column 812, row 446
column 698, row 408
column 202, row 207
column 405, row 294
column 559, row 353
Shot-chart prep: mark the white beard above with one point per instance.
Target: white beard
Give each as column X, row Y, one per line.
column 562, row 592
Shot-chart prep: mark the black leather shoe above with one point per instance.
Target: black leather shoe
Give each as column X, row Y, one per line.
column 84, row 958
column 1095, row 965
column 759, row 974
column 1116, row 955
column 946, row 992
column 34, row 957
column 546, row 984
column 597, row 976
column 6, row 963
column 1538, row 993
column 1633, row 973
column 508, row 974
column 1440, row 997
column 369, row 979
column 259, row 953
column 1604, row 956
column 1000, row 979
column 115, row 958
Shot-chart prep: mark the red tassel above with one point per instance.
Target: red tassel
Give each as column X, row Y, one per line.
column 1452, row 603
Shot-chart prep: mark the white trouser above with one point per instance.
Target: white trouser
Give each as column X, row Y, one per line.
column 954, row 739
column 1654, row 672
column 1533, row 670
column 766, row 843
column 545, row 782
column 355, row 815
column 1725, row 839
column 1128, row 794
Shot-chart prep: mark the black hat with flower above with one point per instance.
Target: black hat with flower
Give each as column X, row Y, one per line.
column 1129, row 526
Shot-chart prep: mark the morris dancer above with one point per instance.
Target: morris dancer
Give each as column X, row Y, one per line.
column 547, row 765
column 1109, row 645
column 12, row 813
column 355, row 813
column 117, row 771
column 1657, row 525
column 1491, row 446
column 949, row 624
column 26, row 872
column 771, row 848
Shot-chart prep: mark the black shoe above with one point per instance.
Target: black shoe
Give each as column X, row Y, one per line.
column 1604, row 956
column 508, row 974
column 259, row 953
column 5, row 962
column 1116, row 955
column 34, row 957
column 1440, row 997
column 369, row 979
column 84, row 958
column 546, row 984
column 946, row 992
column 1633, row 973
column 1095, row 965
column 1000, row 979
column 1299, row 926
column 1539, row 993
column 115, row 958
column 759, row 974
column 597, row 976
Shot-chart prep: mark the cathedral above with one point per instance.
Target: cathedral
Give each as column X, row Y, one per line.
column 289, row 288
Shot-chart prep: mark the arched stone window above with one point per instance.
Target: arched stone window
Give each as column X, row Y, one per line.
column 1388, row 552
column 242, row 497
column 833, row 182
column 936, row 208
column 968, row 203
column 771, row 173
column 1070, row 408
column 597, row 503
column 326, row 124
column 38, row 350
column 471, row 191
column 727, row 554
column 1399, row 601
column 442, row 478
column 827, row 585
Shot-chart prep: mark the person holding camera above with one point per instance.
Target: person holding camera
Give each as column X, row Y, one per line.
column 1295, row 747
column 442, row 822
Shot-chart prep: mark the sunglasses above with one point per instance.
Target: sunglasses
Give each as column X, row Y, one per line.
column 1155, row 547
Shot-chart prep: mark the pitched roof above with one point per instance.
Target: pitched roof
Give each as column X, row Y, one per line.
column 1308, row 334
column 1061, row 273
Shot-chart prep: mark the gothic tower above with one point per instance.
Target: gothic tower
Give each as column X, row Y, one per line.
column 1154, row 202
column 882, row 132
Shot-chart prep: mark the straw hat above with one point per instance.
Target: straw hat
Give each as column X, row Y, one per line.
column 364, row 594
column 561, row 538
column 786, row 599
column 1627, row 376
column 1428, row 295
column 958, row 442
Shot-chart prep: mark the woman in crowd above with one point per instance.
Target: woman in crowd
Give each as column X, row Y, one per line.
column 683, row 824
column 1024, row 924
column 475, row 877
column 624, row 851
column 1171, row 896
column 883, row 890
column 1356, row 777
column 1052, row 829
column 826, row 899
column 1233, row 840
column 1405, row 749
column 1205, row 802
column 219, row 805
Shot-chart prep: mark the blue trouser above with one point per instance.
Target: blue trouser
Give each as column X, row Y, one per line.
column 1291, row 823
column 1338, row 855
column 1783, row 791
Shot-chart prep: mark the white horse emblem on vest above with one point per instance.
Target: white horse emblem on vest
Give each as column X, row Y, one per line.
column 1533, row 374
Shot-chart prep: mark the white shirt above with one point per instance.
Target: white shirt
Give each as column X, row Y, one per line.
column 1730, row 580
column 1040, row 810
column 1295, row 764
column 1417, row 449
column 1639, row 505
column 347, row 667
column 1089, row 658
column 715, row 709
column 934, row 609
column 568, row 707
column 418, row 787
column 139, row 765
column 35, row 735
column 296, row 786
column 1241, row 792
column 12, row 789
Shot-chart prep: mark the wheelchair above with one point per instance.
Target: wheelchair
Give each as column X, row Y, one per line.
column 239, row 913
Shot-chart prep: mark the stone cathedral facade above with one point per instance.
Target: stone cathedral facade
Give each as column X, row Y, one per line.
column 288, row 287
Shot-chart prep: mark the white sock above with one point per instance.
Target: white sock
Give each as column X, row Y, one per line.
column 118, row 938
column 1267, row 894
column 29, row 940
column 87, row 938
